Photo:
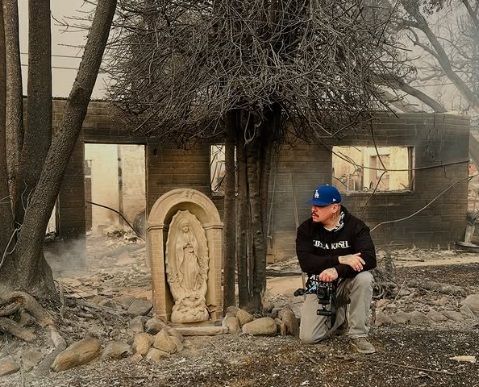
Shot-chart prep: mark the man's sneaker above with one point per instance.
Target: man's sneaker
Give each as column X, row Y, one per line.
column 362, row 345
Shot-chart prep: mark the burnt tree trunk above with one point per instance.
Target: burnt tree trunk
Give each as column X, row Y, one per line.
column 38, row 132
column 229, row 216
column 32, row 273
column 255, row 202
column 14, row 96
column 254, row 170
column 242, row 224
column 6, row 216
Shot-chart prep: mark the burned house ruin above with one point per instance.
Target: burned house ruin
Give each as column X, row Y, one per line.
column 433, row 146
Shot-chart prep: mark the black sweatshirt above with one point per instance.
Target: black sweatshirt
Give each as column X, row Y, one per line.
column 318, row 249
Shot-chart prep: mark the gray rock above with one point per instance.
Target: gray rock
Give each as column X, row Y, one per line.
column 125, row 301
column 472, row 302
column 80, row 352
column 418, row 318
column 140, row 307
column 30, row 358
column 156, row 355
column 178, row 342
column 232, row 323
column 136, row 324
column 142, row 343
column 116, row 350
column 154, row 325
column 383, row 319
column 401, row 317
column 404, row 292
column 436, row 316
column 467, row 312
column 164, row 342
column 243, row 317
column 287, row 316
column 453, row 315
column 264, row 326
column 8, row 366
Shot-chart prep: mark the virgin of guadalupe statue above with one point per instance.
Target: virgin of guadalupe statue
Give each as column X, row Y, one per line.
column 187, row 258
column 187, row 268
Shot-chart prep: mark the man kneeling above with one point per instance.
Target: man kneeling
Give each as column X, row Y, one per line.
column 335, row 246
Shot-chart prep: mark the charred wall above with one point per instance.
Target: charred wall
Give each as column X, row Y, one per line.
column 440, row 153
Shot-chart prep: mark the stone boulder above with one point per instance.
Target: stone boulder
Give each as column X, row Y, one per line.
column 232, row 323
column 78, row 353
column 30, row 358
column 418, row 318
column 136, row 325
column 164, row 342
column 467, row 312
column 383, row 319
column 472, row 302
column 139, row 307
column 244, row 317
column 453, row 315
column 116, row 350
column 436, row 316
column 154, row 325
column 142, row 343
column 264, row 326
column 401, row 317
column 156, row 355
column 289, row 319
column 8, row 366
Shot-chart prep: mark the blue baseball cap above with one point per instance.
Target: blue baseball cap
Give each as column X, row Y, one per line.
column 324, row 195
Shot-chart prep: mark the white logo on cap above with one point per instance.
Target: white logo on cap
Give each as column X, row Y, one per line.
column 316, row 194
column 334, row 199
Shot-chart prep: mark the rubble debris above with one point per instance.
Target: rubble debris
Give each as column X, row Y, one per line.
column 465, row 358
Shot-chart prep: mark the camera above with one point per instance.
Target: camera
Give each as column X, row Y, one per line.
column 326, row 294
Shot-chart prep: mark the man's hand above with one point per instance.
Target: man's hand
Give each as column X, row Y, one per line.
column 353, row 260
column 328, row 275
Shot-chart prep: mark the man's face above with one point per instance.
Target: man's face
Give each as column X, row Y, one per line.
column 323, row 214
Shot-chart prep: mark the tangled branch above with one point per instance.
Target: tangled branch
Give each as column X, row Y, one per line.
column 179, row 66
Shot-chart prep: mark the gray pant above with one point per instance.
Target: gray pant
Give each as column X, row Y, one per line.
column 359, row 290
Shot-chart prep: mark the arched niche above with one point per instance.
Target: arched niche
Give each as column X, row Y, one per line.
column 159, row 220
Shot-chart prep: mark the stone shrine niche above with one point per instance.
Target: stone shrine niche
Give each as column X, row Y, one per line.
column 184, row 247
column 187, row 268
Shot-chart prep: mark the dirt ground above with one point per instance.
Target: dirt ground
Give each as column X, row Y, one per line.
column 408, row 354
